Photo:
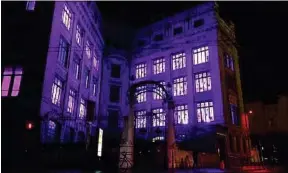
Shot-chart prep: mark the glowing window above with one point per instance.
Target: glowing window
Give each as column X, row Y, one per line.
column 63, row 52
column 203, row 82
column 88, row 49
column 159, row 66
column 30, row 5
column 180, row 86
column 178, row 61
column 158, row 91
column 95, row 61
column 181, row 114
column 158, row 138
column 94, row 86
column 9, row 75
column 79, row 35
column 76, row 67
column 141, row 70
column 140, row 119
column 158, row 117
column 71, row 101
column 67, row 17
column 56, row 91
column 205, row 112
column 141, row 94
column 200, row 55
column 83, row 109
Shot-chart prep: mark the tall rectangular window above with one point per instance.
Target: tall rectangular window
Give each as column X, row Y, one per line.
column 95, row 61
column 178, row 61
column 76, row 68
column 140, row 119
column 141, row 94
column 141, row 70
column 229, row 62
column 158, row 92
column 159, row 65
column 63, row 52
column 57, row 88
column 205, row 112
column 79, row 35
column 115, row 70
column 114, row 94
column 87, row 77
column 180, row 86
column 234, row 112
column 83, row 108
column 203, row 82
column 9, row 75
column 158, row 117
column 94, row 86
column 181, row 114
column 67, row 17
column 201, row 55
column 88, row 49
column 71, row 101
column 30, row 5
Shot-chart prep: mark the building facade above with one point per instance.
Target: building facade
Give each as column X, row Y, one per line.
column 268, row 127
column 196, row 53
column 66, row 88
column 50, row 71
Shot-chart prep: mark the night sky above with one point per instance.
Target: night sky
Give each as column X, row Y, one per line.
column 261, row 31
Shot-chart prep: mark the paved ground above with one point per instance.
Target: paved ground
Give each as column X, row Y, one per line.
column 174, row 171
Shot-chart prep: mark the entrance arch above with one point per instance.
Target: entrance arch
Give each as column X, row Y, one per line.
column 126, row 158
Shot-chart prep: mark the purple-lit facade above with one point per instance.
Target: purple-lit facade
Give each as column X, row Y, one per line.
column 73, row 84
column 60, row 69
column 72, row 75
column 195, row 51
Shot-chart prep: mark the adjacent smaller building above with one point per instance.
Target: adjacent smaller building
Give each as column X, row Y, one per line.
column 269, row 128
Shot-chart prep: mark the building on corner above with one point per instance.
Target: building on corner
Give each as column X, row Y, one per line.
column 51, row 66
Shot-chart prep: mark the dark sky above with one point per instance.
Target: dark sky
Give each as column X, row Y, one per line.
column 261, row 31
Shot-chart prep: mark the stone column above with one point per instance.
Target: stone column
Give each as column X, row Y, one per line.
column 171, row 136
column 126, row 158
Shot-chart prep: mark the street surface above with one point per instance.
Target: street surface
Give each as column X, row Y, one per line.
column 257, row 170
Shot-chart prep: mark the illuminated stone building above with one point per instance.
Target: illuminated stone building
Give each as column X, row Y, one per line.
column 196, row 52
column 51, row 66
column 62, row 82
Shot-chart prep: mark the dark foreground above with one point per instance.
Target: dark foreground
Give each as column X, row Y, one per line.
column 203, row 170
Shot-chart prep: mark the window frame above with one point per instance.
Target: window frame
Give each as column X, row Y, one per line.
column 199, row 77
column 185, row 86
column 160, row 121
column 179, row 60
column 141, row 70
column 142, row 96
column 198, row 54
column 63, row 52
column 183, row 108
column 73, row 95
column 67, row 12
column 200, row 108
column 60, row 88
column 141, row 122
column 159, row 65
